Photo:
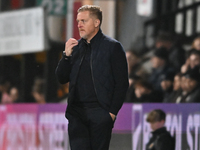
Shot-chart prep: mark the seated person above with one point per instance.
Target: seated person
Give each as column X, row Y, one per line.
column 130, row 94
column 134, row 65
column 196, row 43
column 15, row 95
column 190, row 87
column 160, row 67
column 167, row 85
column 161, row 138
column 145, row 93
column 174, row 48
column 38, row 91
column 176, row 89
column 193, row 60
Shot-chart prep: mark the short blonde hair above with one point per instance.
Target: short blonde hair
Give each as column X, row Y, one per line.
column 156, row 115
column 93, row 9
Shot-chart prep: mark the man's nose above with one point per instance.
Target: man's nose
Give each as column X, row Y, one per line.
column 79, row 25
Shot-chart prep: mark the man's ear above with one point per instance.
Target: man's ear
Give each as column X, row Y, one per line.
column 97, row 23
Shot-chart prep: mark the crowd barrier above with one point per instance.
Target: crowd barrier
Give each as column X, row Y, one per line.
column 44, row 127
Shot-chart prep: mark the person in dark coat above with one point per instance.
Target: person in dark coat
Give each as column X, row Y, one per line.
column 160, row 68
column 96, row 68
column 177, row 90
column 145, row 93
column 175, row 51
column 190, row 86
column 161, row 138
column 167, row 85
column 193, row 60
column 130, row 94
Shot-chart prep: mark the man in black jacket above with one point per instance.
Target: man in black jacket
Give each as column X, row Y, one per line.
column 96, row 68
column 161, row 138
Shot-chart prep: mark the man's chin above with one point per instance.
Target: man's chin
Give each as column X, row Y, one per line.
column 84, row 37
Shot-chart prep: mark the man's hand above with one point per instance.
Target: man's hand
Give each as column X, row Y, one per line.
column 69, row 45
column 112, row 116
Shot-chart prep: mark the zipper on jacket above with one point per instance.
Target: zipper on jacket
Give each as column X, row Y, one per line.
column 92, row 72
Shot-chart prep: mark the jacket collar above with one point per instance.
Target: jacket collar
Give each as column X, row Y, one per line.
column 94, row 40
column 158, row 131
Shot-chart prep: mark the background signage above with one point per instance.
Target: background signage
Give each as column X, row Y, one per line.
column 54, row 7
column 22, row 31
column 44, row 127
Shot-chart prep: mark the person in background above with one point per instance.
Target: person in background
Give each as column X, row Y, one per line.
column 190, row 87
column 145, row 93
column 160, row 67
column 130, row 94
column 132, row 61
column 14, row 95
column 192, row 61
column 5, row 85
column 195, row 47
column 176, row 89
column 176, row 53
column 38, row 91
column 96, row 68
column 161, row 139
column 1, row 87
column 134, row 65
column 196, row 43
column 167, row 85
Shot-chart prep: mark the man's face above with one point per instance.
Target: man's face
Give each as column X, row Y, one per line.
column 157, row 62
column 166, row 84
column 183, row 83
column 14, row 94
column 88, row 26
column 190, row 84
column 194, row 60
column 177, row 83
column 197, row 44
column 131, row 59
column 139, row 91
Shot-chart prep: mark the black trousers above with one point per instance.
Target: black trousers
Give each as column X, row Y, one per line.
column 89, row 128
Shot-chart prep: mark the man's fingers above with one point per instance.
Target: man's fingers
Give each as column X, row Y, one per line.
column 71, row 43
column 69, row 46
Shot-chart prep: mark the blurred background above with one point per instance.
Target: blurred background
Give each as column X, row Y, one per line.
column 155, row 34
column 31, row 43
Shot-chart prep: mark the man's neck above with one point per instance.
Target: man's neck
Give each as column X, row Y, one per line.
column 89, row 39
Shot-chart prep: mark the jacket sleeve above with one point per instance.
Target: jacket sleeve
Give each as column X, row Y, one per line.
column 63, row 70
column 120, row 73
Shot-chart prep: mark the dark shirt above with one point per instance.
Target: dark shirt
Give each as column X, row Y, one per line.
column 108, row 70
column 191, row 97
column 161, row 140
column 173, row 96
column 157, row 74
column 85, row 92
column 176, row 57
